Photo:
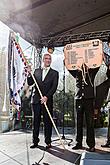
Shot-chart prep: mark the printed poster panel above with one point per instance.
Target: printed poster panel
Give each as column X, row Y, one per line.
column 88, row 52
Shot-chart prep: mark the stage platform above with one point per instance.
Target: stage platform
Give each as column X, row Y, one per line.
column 15, row 149
column 95, row 158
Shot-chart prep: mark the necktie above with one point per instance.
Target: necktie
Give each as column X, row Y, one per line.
column 44, row 73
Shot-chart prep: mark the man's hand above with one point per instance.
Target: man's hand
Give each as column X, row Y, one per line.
column 44, row 99
column 28, row 68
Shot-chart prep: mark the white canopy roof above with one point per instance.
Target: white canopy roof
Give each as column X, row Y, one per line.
column 44, row 18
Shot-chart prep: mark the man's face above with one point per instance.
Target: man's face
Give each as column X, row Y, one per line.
column 47, row 60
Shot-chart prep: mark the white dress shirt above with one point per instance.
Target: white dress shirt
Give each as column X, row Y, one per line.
column 44, row 73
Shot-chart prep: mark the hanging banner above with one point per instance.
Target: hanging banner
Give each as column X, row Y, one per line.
column 18, row 74
column 88, row 52
column 4, row 91
column 106, row 50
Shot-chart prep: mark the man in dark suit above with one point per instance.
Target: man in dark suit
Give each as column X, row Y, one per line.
column 85, row 104
column 103, row 89
column 47, row 79
column 101, row 95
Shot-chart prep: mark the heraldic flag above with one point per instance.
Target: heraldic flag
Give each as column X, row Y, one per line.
column 18, row 74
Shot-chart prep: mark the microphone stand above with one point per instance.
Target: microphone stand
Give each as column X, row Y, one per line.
column 63, row 112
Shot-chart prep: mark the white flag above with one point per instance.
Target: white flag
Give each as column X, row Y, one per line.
column 18, row 75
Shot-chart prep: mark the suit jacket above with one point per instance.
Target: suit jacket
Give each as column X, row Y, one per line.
column 47, row 87
column 84, row 90
column 102, row 91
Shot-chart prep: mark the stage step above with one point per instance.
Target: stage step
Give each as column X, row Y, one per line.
column 89, row 158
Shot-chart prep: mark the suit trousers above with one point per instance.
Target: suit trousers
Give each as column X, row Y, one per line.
column 85, row 106
column 39, row 109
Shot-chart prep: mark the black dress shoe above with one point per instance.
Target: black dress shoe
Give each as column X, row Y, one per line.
column 106, row 145
column 91, row 149
column 34, row 146
column 77, row 146
column 48, row 146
